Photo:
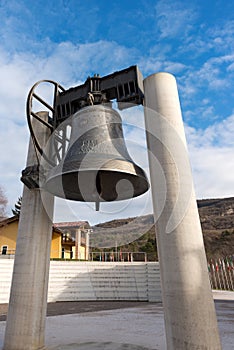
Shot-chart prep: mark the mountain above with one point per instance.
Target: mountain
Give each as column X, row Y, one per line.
column 138, row 234
column 217, row 221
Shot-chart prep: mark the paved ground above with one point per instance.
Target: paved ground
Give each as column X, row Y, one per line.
column 77, row 307
column 118, row 325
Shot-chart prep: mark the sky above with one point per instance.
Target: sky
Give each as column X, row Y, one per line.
column 69, row 40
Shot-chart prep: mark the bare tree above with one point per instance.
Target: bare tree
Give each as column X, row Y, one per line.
column 3, row 204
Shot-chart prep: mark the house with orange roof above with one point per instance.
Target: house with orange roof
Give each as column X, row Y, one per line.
column 70, row 240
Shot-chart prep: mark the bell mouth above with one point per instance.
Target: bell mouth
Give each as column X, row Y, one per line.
column 103, row 185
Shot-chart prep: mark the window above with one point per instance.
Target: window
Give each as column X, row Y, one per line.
column 4, row 249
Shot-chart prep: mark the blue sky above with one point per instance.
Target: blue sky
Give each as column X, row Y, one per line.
column 68, row 40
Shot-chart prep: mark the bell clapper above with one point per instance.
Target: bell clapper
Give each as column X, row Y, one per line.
column 97, row 206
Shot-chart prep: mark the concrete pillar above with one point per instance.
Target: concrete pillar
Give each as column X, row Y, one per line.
column 78, row 243
column 87, row 232
column 190, row 319
column 28, row 299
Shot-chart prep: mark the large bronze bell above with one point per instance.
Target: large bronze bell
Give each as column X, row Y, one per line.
column 97, row 166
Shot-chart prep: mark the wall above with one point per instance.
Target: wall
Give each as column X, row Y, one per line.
column 8, row 235
column 81, row 254
column 56, row 246
column 74, row 280
column 6, row 270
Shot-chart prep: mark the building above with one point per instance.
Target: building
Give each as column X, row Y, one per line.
column 75, row 239
column 8, row 237
column 70, row 240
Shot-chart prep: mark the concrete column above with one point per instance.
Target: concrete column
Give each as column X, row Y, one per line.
column 28, row 299
column 87, row 244
column 78, row 243
column 190, row 319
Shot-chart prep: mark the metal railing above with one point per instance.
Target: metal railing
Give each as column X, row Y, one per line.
column 118, row 256
column 7, row 253
column 221, row 273
column 66, row 254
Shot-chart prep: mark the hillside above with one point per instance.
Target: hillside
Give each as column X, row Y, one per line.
column 138, row 234
column 217, row 220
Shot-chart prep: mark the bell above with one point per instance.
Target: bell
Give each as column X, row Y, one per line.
column 97, row 166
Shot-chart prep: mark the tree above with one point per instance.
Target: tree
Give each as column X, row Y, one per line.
column 16, row 211
column 3, row 204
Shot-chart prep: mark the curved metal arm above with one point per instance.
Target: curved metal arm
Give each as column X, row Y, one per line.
column 30, row 113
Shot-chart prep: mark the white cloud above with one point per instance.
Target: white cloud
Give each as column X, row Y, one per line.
column 150, row 64
column 70, row 64
column 213, row 172
column 222, row 36
column 13, row 143
column 212, row 157
column 174, row 18
column 218, row 135
column 206, row 90
column 213, row 72
column 216, row 40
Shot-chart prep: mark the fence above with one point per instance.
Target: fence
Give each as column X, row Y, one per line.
column 221, row 273
column 118, row 256
column 66, row 254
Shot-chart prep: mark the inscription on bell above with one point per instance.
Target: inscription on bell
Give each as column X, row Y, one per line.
column 88, row 146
